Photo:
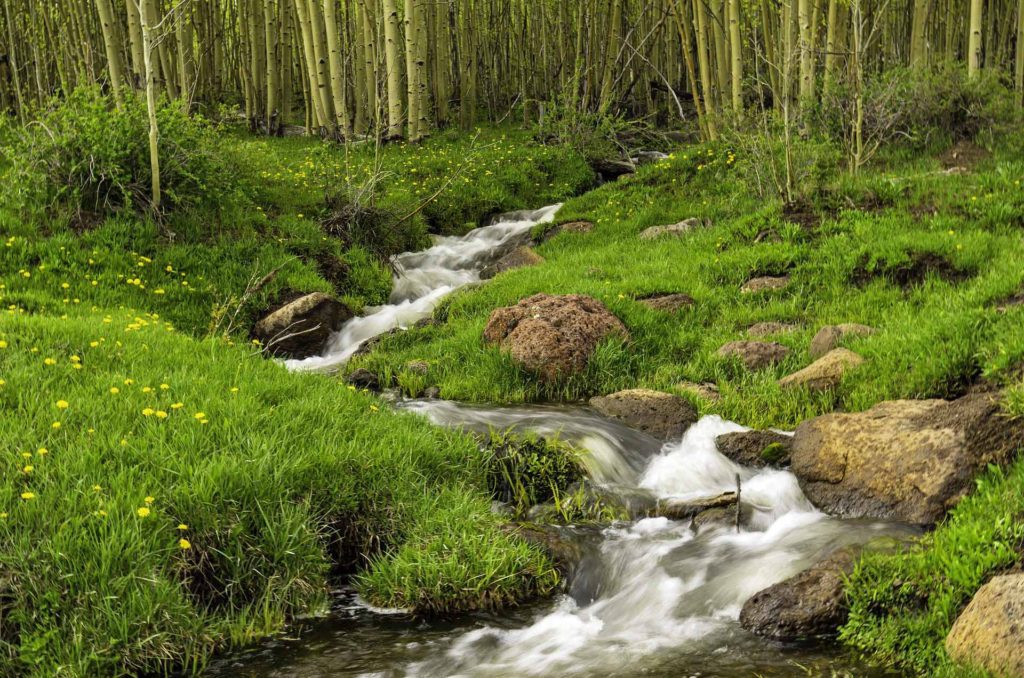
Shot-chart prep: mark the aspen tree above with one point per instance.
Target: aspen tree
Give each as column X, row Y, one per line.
column 411, row 70
column 700, row 19
column 393, row 64
column 974, row 39
column 737, row 56
column 806, row 55
column 135, row 38
column 112, row 42
column 342, row 124
column 919, row 33
column 319, row 113
column 370, row 67
column 611, row 53
column 1020, row 53
column 147, row 12
column 272, row 41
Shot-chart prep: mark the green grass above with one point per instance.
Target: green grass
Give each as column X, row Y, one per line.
column 935, row 337
column 131, row 420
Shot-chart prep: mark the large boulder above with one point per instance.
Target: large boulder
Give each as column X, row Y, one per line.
column 302, row 328
column 674, row 230
column 755, row 355
column 553, row 336
column 908, row 460
column 808, row 605
column 662, row 415
column 830, row 337
column 989, row 634
column 826, row 372
column 756, row 449
column 521, row 257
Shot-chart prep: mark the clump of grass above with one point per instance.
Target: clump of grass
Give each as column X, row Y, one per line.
column 903, row 605
column 526, row 470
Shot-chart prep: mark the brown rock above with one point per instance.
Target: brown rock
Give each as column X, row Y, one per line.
column 707, row 390
column 756, row 449
column 553, row 336
column 420, row 367
column 302, row 328
column 909, row 460
column 669, row 303
column 831, row 336
column 662, row 415
column 364, row 379
column 675, row 230
column 756, row 355
column 521, row 257
column 989, row 634
column 677, row 509
column 765, row 284
column 826, row 372
column 770, row 328
column 808, row 605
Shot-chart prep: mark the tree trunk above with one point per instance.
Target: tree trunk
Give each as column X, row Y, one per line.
column 112, row 42
column 135, row 38
column 146, row 13
column 342, row 122
column 737, row 56
column 273, row 43
column 919, row 33
column 974, row 39
column 393, row 63
column 1020, row 53
column 411, row 71
column 806, row 55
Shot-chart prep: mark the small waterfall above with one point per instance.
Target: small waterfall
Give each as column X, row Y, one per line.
column 425, row 278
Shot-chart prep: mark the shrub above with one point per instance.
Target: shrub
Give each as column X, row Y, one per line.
column 84, row 157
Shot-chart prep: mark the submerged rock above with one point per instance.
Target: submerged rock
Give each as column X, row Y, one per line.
column 521, row 257
column 553, row 336
column 669, row 303
column 908, row 460
column 662, row 415
column 808, row 605
column 826, row 372
column 830, row 337
column 755, row 355
column 675, row 230
column 302, row 328
column 756, row 449
column 765, row 284
column 989, row 633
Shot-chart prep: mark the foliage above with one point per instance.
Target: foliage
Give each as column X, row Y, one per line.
column 526, row 470
column 598, row 136
column 85, row 157
column 903, row 605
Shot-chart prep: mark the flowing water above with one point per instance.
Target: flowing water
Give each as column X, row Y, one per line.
column 651, row 597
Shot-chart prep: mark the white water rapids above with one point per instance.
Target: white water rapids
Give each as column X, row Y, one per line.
column 425, row 278
column 652, row 596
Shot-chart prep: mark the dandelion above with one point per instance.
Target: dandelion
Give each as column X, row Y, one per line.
column 26, row 455
column 177, row 406
column 49, row 361
column 97, row 488
column 42, row 451
column 114, row 390
column 182, row 527
column 55, row 425
column 148, row 412
column 28, row 469
column 147, row 389
column 160, row 414
column 184, row 544
column 129, row 382
column 3, row 344
column 200, row 415
column 149, row 501
column 164, row 387
column 28, row 496
column 62, row 404
column 143, row 512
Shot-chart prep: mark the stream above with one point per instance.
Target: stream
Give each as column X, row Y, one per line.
column 651, row 597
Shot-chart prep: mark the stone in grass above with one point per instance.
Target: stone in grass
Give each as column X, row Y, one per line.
column 755, row 355
column 755, row 449
column 420, row 367
column 302, row 328
column 907, row 460
column 809, row 605
column 569, row 227
column 989, row 634
column 705, row 390
column 364, row 379
column 521, row 257
column 553, row 336
column 662, row 415
column 675, row 230
column 765, row 284
column 826, row 372
column 669, row 303
column 831, row 336
column 768, row 329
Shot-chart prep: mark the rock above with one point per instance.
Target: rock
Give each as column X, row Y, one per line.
column 908, row 460
column 420, row 367
column 721, row 518
column 521, row 257
column 570, row 227
column 707, row 390
column 770, row 328
column 424, row 323
column 553, row 336
column 559, row 543
column 669, row 303
column 302, row 328
column 756, row 355
column 989, row 633
column 831, row 336
column 808, row 605
column 364, row 379
column 662, row 415
column 826, row 372
column 675, row 230
column 648, row 157
column 756, row 449
column 431, row 393
column 677, row 509
column 765, row 284
column 610, row 168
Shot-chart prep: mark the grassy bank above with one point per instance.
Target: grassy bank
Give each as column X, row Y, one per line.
column 166, row 491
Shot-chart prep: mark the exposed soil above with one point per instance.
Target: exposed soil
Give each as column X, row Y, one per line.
column 909, row 274
column 801, row 214
column 965, row 154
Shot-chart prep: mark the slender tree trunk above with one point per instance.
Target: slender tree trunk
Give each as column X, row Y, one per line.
column 806, row 55
column 342, row 122
column 919, row 33
column 273, row 44
column 831, row 46
column 411, row 71
column 112, row 42
column 737, row 56
column 147, row 13
column 974, row 39
column 320, row 117
column 1020, row 53
column 393, row 64
column 135, row 38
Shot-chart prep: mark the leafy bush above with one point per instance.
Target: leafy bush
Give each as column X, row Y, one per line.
column 83, row 156
column 526, row 470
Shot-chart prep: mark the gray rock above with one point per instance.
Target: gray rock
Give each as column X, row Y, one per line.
column 830, row 337
column 669, row 303
column 364, row 379
column 765, row 284
column 756, row 449
column 302, row 328
column 677, row 509
column 521, row 257
column 674, row 230
column 662, row 415
column 769, row 329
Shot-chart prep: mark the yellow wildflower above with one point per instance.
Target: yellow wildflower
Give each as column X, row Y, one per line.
column 62, row 404
column 149, row 501
column 28, row 496
column 114, row 390
column 182, row 527
column 143, row 512
column 148, row 412
column 184, row 544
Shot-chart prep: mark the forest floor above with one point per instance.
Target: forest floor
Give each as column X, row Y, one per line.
column 167, row 491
